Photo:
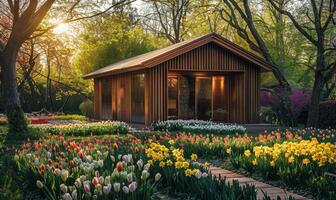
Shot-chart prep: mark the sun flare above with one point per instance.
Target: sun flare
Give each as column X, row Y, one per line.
column 61, row 29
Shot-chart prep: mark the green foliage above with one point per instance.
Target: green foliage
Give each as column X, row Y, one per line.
column 82, row 129
column 70, row 117
column 17, row 122
column 110, row 39
column 198, row 126
column 8, row 190
column 86, row 108
column 328, row 114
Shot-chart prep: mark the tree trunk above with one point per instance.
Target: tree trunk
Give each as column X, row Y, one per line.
column 314, row 108
column 16, row 119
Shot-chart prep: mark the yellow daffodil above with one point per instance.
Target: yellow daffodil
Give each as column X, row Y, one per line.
column 194, row 157
column 247, row 153
column 305, row 161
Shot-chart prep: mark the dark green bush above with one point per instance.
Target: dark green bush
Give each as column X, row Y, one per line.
column 86, row 108
column 327, row 118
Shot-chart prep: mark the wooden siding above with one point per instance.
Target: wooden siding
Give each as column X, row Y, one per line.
column 97, row 98
column 156, row 93
column 244, row 84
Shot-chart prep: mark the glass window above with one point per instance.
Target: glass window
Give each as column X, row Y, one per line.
column 106, row 99
column 186, row 103
column 203, row 98
column 172, row 97
column 138, row 98
column 220, row 98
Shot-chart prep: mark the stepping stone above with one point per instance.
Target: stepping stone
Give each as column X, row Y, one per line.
column 261, row 188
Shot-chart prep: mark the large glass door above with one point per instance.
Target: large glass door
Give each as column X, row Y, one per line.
column 220, row 94
column 203, row 98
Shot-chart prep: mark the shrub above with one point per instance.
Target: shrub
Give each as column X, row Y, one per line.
column 86, row 107
column 70, row 117
column 198, row 126
column 286, row 112
column 83, row 129
column 327, row 118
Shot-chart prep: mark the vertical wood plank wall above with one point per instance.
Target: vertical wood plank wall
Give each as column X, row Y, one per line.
column 156, row 93
column 244, row 84
column 244, row 81
column 97, row 98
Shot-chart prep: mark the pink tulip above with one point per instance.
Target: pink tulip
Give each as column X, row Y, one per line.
column 95, row 181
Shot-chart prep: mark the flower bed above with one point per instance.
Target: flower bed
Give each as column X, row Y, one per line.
column 82, row 129
column 198, row 126
column 277, row 156
column 117, row 168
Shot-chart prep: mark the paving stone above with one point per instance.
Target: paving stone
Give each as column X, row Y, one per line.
column 261, row 188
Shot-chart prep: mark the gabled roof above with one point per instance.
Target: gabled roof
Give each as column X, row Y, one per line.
column 158, row 56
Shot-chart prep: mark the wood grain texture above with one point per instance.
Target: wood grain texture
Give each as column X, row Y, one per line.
column 210, row 59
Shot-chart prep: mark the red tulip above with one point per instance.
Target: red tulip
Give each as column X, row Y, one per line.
column 136, row 150
column 115, row 146
column 119, row 166
column 95, row 181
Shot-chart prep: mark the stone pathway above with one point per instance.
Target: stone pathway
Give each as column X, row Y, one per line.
column 261, row 187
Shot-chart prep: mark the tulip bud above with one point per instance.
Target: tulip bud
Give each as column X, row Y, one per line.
column 39, row 184
column 144, row 174
column 107, row 189
column 125, row 189
column 112, row 158
column 140, row 164
column 119, row 166
column 74, row 194
column 115, row 146
column 147, row 166
column 157, row 177
column 198, row 174
column 66, row 196
column 63, row 188
column 64, row 175
column 87, row 188
column 133, row 186
column 58, row 172
column 130, row 177
column 116, row 187
column 101, row 180
column 100, row 163
column 107, row 180
column 95, row 181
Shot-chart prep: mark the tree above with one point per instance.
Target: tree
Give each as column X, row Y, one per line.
column 316, row 22
column 26, row 16
column 101, row 46
column 239, row 16
column 168, row 18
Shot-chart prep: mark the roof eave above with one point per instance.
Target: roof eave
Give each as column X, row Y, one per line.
column 110, row 73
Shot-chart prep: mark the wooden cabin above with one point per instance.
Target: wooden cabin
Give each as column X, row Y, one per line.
column 208, row 78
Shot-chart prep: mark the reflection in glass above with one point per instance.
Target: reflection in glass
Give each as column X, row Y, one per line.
column 106, row 99
column 186, row 102
column 172, row 97
column 220, row 103
column 203, row 98
column 138, row 98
